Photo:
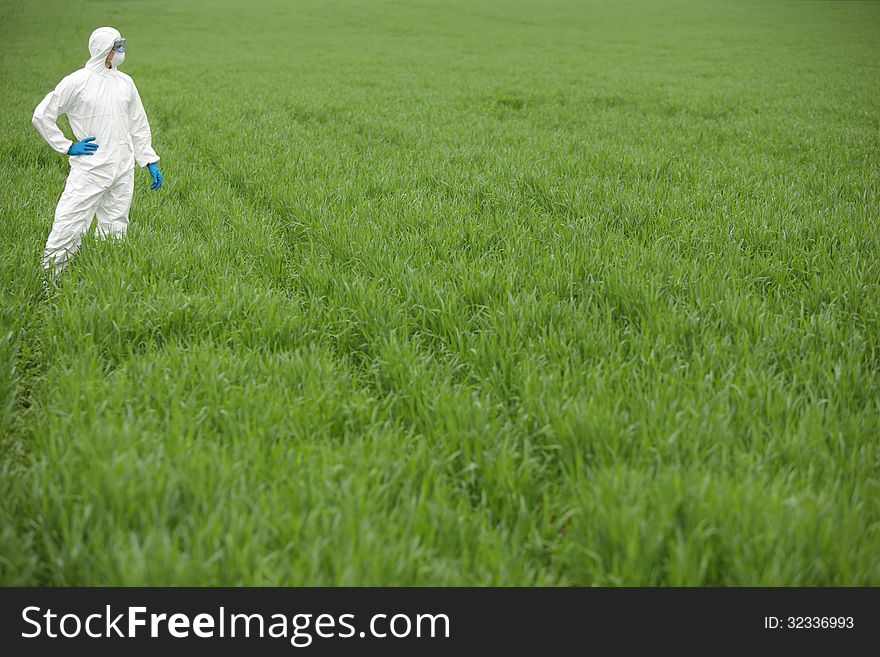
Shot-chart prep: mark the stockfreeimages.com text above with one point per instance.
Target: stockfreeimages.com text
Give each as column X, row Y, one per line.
column 299, row 629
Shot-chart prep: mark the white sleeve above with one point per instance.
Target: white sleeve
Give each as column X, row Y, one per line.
column 141, row 137
column 47, row 113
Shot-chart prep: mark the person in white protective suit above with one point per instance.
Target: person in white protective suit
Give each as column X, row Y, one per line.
column 110, row 126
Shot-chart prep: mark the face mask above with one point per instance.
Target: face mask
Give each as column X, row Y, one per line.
column 116, row 55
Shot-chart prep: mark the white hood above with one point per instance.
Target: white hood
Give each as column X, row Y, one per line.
column 100, row 44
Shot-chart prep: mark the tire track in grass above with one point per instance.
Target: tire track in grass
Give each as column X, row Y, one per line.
column 23, row 371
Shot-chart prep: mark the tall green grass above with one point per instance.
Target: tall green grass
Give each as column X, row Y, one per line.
column 453, row 293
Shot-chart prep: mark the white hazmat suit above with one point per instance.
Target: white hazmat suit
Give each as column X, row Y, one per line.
column 103, row 103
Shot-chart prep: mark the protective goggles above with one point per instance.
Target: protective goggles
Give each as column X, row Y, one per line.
column 119, row 45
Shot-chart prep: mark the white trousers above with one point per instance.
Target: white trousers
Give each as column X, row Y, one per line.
column 86, row 194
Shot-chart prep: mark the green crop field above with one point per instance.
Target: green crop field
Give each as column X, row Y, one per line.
column 461, row 292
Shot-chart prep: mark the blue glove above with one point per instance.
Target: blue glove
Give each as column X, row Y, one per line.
column 83, row 147
column 156, row 174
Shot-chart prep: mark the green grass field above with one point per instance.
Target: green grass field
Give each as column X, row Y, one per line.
column 453, row 293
